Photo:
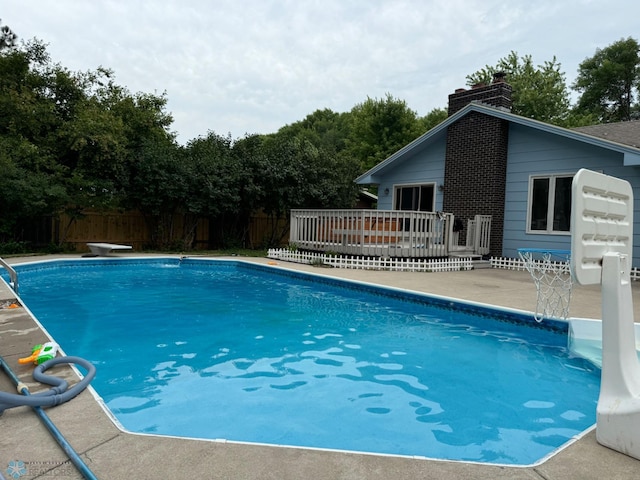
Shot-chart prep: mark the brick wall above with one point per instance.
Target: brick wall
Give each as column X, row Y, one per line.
column 476, row 160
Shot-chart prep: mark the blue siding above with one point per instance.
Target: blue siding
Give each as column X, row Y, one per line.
column 423, row 167
column 534, row 149
column 534, row 152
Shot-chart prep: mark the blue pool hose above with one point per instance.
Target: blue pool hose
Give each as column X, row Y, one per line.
column 59, row 393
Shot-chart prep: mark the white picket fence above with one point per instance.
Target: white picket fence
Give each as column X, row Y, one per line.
column 371, row 263
column 518, row 264
column 507, row 263
column 397, row 264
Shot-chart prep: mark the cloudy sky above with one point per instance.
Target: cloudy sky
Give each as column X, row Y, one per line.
column 253, row 66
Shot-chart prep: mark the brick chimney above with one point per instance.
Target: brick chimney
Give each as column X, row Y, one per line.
column 496, row 94
column 476, row 158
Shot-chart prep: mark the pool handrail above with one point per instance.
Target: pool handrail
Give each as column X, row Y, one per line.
column 13, row 275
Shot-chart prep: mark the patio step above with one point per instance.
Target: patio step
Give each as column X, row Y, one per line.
column 478, row 264
column 476, row 259
column 465, row 254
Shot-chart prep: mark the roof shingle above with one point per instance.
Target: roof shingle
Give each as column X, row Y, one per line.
column 625, row 133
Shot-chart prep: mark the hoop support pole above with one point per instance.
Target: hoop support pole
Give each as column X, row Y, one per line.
column 618, row 410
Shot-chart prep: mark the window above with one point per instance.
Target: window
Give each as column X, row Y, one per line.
column 550, row 204
column 414, row 197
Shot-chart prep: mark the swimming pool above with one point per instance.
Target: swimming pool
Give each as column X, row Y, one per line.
column 230, row 350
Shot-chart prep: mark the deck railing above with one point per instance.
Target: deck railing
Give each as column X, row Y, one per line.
column 380, row 233
column 479, row 233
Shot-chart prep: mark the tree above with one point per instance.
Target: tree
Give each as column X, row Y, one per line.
column 69, row 141
column 25, row 193
column 249, row 154
column 379, row 128
column 291, row 172
column 215, row 182
column 32, row 182
column 432, row 119
column 324, row 128
column 8, row 39
column 538, row 92
column 609, row 81
column 158, row 188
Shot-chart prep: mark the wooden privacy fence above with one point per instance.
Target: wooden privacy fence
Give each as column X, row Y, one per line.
column 129, row 228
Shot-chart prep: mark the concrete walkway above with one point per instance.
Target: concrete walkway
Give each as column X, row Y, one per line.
column 113, row 454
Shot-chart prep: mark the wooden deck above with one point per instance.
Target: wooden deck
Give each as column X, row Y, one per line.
column 381, row 233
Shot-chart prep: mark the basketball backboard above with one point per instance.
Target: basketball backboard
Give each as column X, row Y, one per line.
column 601, row 222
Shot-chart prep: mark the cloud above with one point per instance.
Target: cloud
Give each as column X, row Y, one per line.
column 252, row 66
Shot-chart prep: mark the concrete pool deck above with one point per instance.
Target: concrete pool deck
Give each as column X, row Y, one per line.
column 113, row 454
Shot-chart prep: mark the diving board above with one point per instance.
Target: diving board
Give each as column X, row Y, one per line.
column 103, row 249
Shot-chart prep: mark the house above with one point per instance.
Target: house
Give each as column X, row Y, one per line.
column 485, row 160
column 366, row 199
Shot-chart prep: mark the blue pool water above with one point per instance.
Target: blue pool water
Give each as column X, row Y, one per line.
column 230, row 350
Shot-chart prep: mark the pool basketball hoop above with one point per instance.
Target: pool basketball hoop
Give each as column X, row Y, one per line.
column 602, row 254
column 551, row 272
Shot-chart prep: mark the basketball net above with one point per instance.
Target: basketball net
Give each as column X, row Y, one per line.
column 551, row 274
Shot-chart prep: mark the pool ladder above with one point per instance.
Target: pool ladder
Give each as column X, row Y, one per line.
column 13, row 275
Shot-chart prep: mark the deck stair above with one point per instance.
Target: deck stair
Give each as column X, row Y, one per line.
column 478, row 264
column 476, row 259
